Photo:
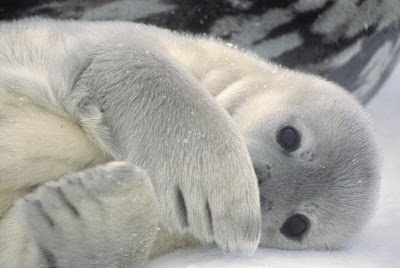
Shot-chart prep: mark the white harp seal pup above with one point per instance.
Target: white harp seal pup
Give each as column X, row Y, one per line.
column 122, row 141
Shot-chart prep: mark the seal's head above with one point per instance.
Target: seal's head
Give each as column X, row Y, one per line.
column 316, row 158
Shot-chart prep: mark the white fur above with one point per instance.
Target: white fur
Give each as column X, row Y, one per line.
column 102, row 81
column 125, row 91
column 30, row 157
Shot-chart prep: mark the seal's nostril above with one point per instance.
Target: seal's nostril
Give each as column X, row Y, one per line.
column 262, row 174
column 257, row 171
column 295, row 227
column 258, row 174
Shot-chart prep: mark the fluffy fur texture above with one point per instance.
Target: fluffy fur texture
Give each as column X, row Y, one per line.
column 352, row 42
column 91, row 92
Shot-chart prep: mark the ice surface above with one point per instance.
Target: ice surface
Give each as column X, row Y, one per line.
column 377, row 246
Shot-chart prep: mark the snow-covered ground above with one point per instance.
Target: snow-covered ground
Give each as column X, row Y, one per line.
column 377, row 246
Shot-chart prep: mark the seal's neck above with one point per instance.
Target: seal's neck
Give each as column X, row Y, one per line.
column 229, row 75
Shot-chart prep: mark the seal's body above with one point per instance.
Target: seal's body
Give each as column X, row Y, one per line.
column 75, row 95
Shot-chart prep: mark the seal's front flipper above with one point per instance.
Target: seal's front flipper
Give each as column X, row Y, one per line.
column 101, row 217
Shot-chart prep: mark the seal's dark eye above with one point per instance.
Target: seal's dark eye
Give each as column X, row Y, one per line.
column 296, row 226
column 288, row 138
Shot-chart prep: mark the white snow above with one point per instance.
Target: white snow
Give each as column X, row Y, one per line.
column 377, row 246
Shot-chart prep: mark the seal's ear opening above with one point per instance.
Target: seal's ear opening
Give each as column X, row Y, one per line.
column 296, row 227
